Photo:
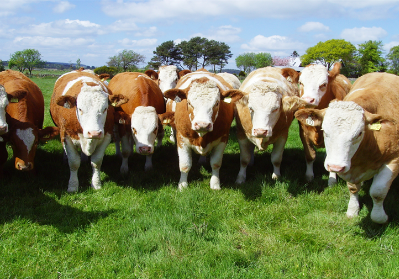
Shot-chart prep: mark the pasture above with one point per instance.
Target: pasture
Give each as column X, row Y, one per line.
column 141, row 226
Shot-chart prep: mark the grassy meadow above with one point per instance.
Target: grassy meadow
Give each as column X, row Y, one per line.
column 141, row 226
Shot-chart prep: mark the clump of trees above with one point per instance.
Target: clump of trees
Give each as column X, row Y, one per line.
column 26, row 59
column 2, row 68
column 106, row 70
column 250, row 61
column 126, row 60
column 393, row 60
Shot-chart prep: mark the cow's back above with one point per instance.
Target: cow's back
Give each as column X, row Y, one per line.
column 187, row 79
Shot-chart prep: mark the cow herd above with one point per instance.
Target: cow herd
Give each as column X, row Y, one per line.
column 357, row 124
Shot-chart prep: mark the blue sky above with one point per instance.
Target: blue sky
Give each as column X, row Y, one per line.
column 93, row 31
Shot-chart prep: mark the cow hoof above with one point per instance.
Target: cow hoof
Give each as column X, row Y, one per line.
column 332, row 181
column 309, row 178
column 240, row 179
column 378, row 216
column 96, row 187
column 72, row 189
column 182, row 185
column 148, row 168
column 124, row 170
column 351, row 213
column 275, row 176
column 215, row 187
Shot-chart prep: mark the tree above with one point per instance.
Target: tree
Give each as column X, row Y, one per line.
column 127, row 60
column 27, row 59
column 263, row 59
column 246, row 62
column 166, row 53
column 218, row 54
column 393, row 57
column 371, row 59
column 329, row 52
column 192, row 52
column 78, row 63
column 1, row 66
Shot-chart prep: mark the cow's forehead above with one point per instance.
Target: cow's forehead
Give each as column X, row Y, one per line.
column 314, row 74
column 166, row 72
column 144, row 117
column 204, row 92
column 343, row 118
column 190, row 78
column 92, row 97
column 83, row 79
column 264, row 100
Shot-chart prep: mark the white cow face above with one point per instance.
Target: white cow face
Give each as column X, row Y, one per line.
column 203, row 100
column 91, row 110
column 3, row 105
column 344, row 128
column 313, row 83
column 264, row 103
column 167, row 77
column 144, row 124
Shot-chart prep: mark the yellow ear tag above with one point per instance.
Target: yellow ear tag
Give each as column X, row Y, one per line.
column 113, row 104
column 227, row 100
column 14, row 100
column 310, row 121
column 166, row 121
column 122, row 121
column 375, row 126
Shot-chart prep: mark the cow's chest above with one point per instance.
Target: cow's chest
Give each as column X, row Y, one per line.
column 357, row 174
column 202, row 149
column 88, row 146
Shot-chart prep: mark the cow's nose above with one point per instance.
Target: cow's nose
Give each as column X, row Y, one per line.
column 206, row 126
column 260, row 132
column 94, row 134
column 24, row 167
column 144, row 149
column 309, row 100
column 335, row 168
column 3, row 129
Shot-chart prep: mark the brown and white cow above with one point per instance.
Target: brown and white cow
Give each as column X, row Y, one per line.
column 231, row 79
column 319, row 87
column 24, row 113
column 265, row 113
column 138, row 118
column 202, row 120
column 361, row 136
column 80, row 107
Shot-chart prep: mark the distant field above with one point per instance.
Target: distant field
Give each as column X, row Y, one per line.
column 141, row 226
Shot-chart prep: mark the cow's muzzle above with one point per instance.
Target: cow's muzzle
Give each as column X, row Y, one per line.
column 335, row 168
column 94, row 134
column 261, row 133
column 24, row 167
column 3, row 129
column 203, row 126
column 145, row 150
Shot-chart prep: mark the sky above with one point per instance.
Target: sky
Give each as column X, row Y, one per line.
column 94, row 30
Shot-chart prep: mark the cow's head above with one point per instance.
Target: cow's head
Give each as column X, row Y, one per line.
column 24, row 138
column 314, row 80
column 167, row 77
column 144, row 124
column 344, row 124
column 5, row 99
column 203, row 101
column 91, row 108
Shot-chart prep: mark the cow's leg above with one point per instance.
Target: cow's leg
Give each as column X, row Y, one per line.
column 353, row 205
column 277, row 156
column 185, row 163
column 246, row 152
column 148, row 162
column 97, row 160
column 74, row 164
column 379, row 188
column 126, row 151
column 332, row 179
column 172, row 135
column 216, row 159
column 310, row 153
column 160, row 135
column 117, row 141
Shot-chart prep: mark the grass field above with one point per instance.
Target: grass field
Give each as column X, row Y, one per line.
column 141, row 226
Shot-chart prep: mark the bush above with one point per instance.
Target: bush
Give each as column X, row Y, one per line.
column 106, row 70
column 2, row 68
column 242, row 74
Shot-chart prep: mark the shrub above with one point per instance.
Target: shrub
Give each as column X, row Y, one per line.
column 106, row 70
column 2, row 68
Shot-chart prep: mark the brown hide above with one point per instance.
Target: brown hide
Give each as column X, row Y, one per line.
column 27, row 113
column 141, row 91
column 65, row 118
column 183, row 73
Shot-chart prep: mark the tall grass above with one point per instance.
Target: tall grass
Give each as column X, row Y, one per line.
column 141, row 226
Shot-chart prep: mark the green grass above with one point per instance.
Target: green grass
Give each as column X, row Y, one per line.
column 141, row 226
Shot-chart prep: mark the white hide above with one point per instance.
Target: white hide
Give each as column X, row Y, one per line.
column 313, row 81
column 167, row 77
column 189, row 78
column 83, row 79
column 3, row 106
column 264, row 101
column 144, row 124
column 27, row 137
column 231, row 79
column 343, row 127
column 92, row 105
column 203, row 97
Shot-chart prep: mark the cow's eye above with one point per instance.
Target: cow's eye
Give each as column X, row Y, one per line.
column 134, row 131
column 324, row 85
column 155, row 130
column 80, row 111
column 275, row 110
column 217, row 103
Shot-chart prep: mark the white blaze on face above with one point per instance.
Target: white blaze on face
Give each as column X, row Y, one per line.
column 27, row 137
column 313, row 81
column 167, row 77
column 144, row 124
column 3, row 106
column 343, row 127
column 204, row 98
column 264, row 102
column 92, row 105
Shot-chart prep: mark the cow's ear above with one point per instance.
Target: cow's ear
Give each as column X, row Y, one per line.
column 232, row 95
column 335, row 71
column 48, row 133
column 293, row 103
column 310, row 117
column 152, row 74
column 375, row 121
column 183, row 73
column 66, row 101
column 290, row 74
column 167, row 118
column 173, row 93
column 16, row 96
column 117, row 100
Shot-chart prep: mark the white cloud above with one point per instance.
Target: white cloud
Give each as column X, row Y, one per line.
column 273, row 43
column 359, row 35
column 225, row 33
column 60, row 43
column 121, row 25
column 63, row 28
column 313, row 26
column 148, row 32
column 138, row 43
column 62, row 7
column 390, row 45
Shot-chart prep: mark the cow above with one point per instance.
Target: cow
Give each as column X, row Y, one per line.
column 265, row 113
column 202, row 120
column 138, row 118
column 231, row 79
column 23, row 102
column 319, row 87
column 361, row 135
column 83, row 108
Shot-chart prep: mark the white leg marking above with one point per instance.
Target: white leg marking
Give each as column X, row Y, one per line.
column 277, row 156
column 185, row 163
column 216, row 162
column 353, row 205
column 148, row 162
column 332, row 179
column 97, row 160
column 246, row 152
column 74, row 164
